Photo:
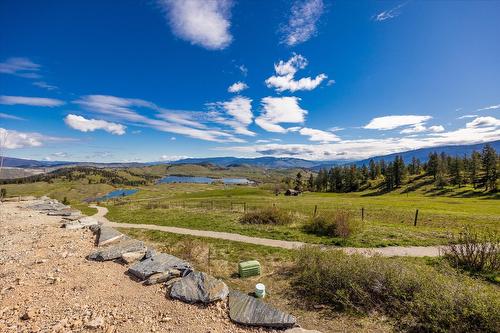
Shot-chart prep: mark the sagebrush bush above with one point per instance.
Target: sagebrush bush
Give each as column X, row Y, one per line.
column 421, row 298
column 339, row 223
column 474, row 251
column 271, row 215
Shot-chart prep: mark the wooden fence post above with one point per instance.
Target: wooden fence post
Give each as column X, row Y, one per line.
column 362, row 213
column 416, row 218
column 315, row 210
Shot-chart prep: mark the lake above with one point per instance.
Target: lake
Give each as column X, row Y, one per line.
column 117, row 194
column 203, row 180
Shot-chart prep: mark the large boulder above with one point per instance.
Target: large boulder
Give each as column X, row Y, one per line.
column 163, row 277
column 199, row 287
column 247, row 310
column 108, row 235
column 156, row 264
column 116, row 251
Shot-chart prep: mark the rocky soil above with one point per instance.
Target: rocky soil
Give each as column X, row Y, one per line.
column 48, row 285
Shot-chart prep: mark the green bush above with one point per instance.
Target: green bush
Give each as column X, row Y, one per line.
column 339, row 223
column 419, row 297
column 270, row 215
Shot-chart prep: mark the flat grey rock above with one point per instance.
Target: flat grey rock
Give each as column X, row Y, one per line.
column 131, row 257
column 73, row 225
column 88, row 221
column 157, row 264
column 247, row 310
column 59, row 213
column 116, row 251
column 199, row 287
column 108, row 235
column 162, row 277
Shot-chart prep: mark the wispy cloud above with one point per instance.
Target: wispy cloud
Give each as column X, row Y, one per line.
column 484, row 122
column 31, row 101
column 237, row 87
column 201, row 22
column 179, row 122
column 235, row 113
column 467, row 116
column 491, row 107
column 392, row 122
column 22, row 67
column 9, row 116
column 276, row 110
column 420, row 128
column 303, row 20
column 82, row 124
column 45, row 85
column 285, row 73
column 390, row 13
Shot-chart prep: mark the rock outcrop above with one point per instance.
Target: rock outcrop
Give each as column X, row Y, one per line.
column 158, row 263
column 116, row 251
column 108, row 235
column 199, row 287
column 247, row 310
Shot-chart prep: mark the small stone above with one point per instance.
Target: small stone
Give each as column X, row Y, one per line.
column 156, row 264
column 29, row 314
column 131, row 257
column 95, row 323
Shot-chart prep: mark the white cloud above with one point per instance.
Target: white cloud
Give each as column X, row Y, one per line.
column 468, row 116
column 420, row 128
column 171, row 158
column 476, row 132
column 392, row 122
column 318, row 135
column 22, row 67
column 173, row 121
column 302, row 22
column 45, row 85
column 31, row 101
column 201, row 22
column 89, row 125
column 285, row 73
column 237, row 87
column 483, row 122
column 11, row 139
column 239, row 110
column 276, row 110
column 491, row 107
column 390, row 13
column 243, row 69
column 436, row 129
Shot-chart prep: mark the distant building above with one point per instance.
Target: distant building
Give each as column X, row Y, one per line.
column 291, row 192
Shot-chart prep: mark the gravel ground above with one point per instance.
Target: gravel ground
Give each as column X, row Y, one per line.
column 47, row 285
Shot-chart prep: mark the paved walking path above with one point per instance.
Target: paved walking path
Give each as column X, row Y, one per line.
column 390, row 251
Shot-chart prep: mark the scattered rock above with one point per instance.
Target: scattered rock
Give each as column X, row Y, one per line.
column 88, row 221
column 247, row 310
column 162, row 277
column 199, row 287
column 157, row 264
column 59, row 213
column 131, row 257
column 95, row 323
column 72, row 225
column 108, row 235
column 29, row 314
column 116, row 251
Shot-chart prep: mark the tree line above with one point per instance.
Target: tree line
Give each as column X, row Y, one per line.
column 480, row 170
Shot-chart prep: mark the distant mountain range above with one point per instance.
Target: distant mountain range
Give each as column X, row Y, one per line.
column 263, row 162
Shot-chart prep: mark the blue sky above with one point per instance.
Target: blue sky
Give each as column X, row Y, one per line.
column 315, row 79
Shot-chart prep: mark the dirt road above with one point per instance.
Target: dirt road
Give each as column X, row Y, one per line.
column 47, row 285
column 390, row 251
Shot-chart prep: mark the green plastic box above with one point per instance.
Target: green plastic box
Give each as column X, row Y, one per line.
column 249, row 268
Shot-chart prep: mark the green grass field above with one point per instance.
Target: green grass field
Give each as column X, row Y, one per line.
column 388, row 218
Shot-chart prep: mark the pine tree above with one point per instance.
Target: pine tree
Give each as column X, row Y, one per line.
column 456, row 171
column 373, row 169
column 473, row 168
column 489, row 159
column 310, row 183
column 432, row 165
column 389, row 177
column 298, row 182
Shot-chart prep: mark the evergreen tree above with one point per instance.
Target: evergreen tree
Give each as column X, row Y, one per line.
column 389, row 177
column 298, row 182
column 373, row 169
column 310, row 183
column 432, row 165
column 473, row 168
column 489, row 159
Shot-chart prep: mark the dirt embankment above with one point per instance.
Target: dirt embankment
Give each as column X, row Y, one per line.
column 47, row 285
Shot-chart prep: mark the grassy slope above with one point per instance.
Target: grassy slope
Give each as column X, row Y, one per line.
column 388, row 218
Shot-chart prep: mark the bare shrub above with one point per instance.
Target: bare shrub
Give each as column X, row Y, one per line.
column 339, row 223
column 271, row 215
column 474, row 251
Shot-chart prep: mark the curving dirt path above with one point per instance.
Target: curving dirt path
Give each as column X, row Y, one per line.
column 390, row 251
